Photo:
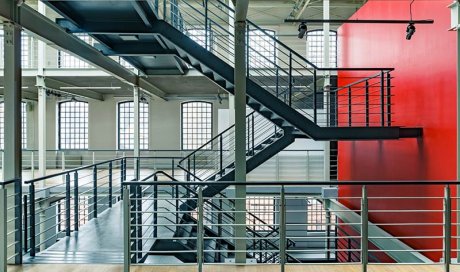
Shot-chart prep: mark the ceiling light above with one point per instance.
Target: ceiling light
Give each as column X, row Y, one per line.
column 129, row 37
column 302, row 30
column 410, row 31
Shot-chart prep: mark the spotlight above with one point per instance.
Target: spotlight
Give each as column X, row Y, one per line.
column 302, row 30
column 410, row 31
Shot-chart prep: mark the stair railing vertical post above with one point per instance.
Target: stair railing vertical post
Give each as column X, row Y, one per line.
column 349, row 107
column 200, row 234
column 110, row 184
column 206, row 30
column 121, row 178
column 248, row 38
column 95, row 191
column 277, row 81
column 126, row 230
column 32, row 218
column 364, row 229
column 221, row 155
column 328, row 235
column 367, row 103
column 76, row 201
column 194, row 166
column 315, row 110
column 138, row 170
column 26, row 218
column 67, row 204
column 389, row 99
column 282, row 226
column 155, row 207
column 188, row 169
column 447, row 228
column 4, row 228
column 290, row 79
column 253, row 134
column 382, row 98
column 349, row 250
column 172, row 168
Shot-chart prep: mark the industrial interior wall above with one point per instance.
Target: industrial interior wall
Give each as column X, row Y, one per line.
column 424, row 95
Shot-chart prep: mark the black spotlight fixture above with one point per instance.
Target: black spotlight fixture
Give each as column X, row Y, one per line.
column 302, row 30
column 410, row 31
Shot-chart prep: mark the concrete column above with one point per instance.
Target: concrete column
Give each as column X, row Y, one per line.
column 41, row 126
column 13, row 152
column 327, row 83
column 136, row 122
column 240, row 138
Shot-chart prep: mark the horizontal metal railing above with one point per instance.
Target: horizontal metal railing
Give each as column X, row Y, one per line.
column 366, row 224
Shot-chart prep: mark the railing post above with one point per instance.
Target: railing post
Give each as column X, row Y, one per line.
column 155, row 208
column 138, row 169
column 188, row 168
column 110, row 184
column 26, row 218
column 172, row 168
column 382, row 98
column 290, row 80
column 31, row 218
column 349, row 106
column 364, row 229
column 253, row 134
column 95, row 191
column 67, row 204
column 200, row 234
column 3, row 228
column 126, row 230
column 447, row 228
column 32, row 164
column 367, row 103
column 121, row 178
column 282, row 229
column 277, row 81
column 328, row 235
column 76, row 200
column 389, row 99
column 315, row 110
column 206, row 39
column 221, row 155
column 349, row 250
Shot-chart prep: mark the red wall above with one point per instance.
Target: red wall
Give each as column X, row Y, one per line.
column 424, row 96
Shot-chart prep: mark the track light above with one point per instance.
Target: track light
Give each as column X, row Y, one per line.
column 410, row 31
column 302, row 30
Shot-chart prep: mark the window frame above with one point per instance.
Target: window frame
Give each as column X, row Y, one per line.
column 59, row 123
column 119, row 124
column 182, row 123
column 321, row 63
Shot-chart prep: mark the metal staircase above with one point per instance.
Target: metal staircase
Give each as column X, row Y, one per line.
column 288, row 94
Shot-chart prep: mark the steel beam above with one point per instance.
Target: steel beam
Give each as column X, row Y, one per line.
column 240, row 129
column 57, row 36
column 55, row 84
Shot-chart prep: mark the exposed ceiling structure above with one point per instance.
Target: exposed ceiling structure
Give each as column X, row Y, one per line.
column 266, row 13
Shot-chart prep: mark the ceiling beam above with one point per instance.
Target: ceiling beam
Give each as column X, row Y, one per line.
column 57, row 36
column 51, row 83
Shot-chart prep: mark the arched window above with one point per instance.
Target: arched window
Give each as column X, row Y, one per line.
column 196, row 124
column 315, row 47
column 262, row 49
column 23, row 125
column 126, row 125
column 73, row 125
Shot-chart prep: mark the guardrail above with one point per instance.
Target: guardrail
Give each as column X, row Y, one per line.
column 366, row 224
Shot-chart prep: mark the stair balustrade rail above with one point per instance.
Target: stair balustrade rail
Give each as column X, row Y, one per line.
column 215, row 158
column 361, row 100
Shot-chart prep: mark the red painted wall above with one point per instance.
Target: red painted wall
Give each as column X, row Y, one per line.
column 424, row 96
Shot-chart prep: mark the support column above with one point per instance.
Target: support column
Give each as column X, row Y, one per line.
column 13, row 152
column 327, row 84
column 240, row 131
column 41, row 101
column 136, row 131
